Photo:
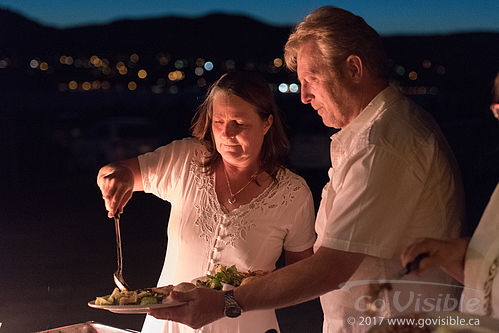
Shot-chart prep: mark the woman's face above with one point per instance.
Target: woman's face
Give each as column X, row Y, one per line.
column 238, row 130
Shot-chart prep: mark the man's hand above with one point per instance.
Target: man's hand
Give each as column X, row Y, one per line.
column 203, row 306
column 446, row 254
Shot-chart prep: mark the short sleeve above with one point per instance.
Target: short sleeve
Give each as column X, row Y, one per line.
column 301, row 234
column 369, row 212
column 166, row 167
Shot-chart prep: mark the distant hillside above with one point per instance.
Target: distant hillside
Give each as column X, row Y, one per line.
column 214, row 35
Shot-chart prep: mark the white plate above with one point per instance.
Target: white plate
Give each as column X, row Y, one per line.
column 135, row 308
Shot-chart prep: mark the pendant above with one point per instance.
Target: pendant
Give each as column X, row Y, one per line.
column 232, row 200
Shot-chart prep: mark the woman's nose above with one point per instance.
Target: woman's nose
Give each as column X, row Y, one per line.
column 230, row 129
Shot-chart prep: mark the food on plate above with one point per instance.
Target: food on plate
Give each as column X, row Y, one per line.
column 184, row 287
column 134, row 297
column 226, row 276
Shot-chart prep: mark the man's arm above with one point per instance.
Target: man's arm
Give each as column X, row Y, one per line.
column 291, row 257
column 299, row 282
column 296, row 283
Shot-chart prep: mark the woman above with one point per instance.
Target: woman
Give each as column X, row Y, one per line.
column 473, row 262
column 232, row 200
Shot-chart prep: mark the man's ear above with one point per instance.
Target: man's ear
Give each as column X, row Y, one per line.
column 354, row 67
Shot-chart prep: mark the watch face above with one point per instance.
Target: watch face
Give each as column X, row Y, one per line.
column 231, row 308
column 233, row 311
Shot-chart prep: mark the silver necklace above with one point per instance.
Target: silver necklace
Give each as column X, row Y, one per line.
column 232, row 199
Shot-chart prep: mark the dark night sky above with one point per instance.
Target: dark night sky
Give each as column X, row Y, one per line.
column 386, row 16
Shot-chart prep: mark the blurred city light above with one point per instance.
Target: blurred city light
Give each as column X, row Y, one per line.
column 73, row 85
column 400, row 70
column 44, row 66
column 86, row 86
column 3, row 63
column 293, row 87
column 283, row 87
column 142, row 74
column 440, row 70
column 208, row 66
column 179, row 64
column 201, row 82
column 200, row 62
column 163, row 60
column 199, row 71
column 34, row 63
column 134, row 58
column 132, row 85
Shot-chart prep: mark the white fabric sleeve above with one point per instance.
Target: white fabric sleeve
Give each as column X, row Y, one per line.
column 371, row 210
column 163, row 169
column 301, row 233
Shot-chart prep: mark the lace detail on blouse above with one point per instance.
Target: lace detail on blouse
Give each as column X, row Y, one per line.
column 237, row 223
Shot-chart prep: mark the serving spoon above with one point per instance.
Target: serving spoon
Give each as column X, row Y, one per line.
column 118, row 275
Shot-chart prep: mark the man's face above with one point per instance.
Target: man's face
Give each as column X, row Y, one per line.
column 328, row 92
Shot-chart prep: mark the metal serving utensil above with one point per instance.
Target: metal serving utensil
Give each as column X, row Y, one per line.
column 118, row 275
column 375, row 289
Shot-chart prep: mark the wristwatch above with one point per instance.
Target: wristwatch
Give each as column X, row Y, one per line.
column 231, row 308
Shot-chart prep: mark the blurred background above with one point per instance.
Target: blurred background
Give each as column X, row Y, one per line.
column 85, row 84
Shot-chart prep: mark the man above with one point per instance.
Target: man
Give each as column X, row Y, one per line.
column 393, row 179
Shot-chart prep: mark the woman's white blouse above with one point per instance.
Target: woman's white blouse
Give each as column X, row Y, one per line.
column 201, row 233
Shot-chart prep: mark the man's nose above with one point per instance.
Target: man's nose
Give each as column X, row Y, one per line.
column 306, row 96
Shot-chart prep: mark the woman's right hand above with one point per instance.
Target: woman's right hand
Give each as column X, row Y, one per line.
column 116, row 182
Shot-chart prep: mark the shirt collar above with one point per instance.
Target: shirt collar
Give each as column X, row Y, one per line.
column 368, row 115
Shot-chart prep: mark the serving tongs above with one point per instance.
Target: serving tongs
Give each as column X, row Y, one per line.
column 118, row 275
column 375, row 289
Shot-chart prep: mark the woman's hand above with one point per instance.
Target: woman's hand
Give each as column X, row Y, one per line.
column 447, row 254
column 116, row 182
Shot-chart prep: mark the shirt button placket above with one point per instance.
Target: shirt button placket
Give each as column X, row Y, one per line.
column 217, row 243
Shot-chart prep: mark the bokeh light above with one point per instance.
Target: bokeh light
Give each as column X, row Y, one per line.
column 283, row 87
column 200, row 62
column 34, row 63
column 142, row 74
column 44, row 66
column 199, row 71
column 134, row 58
column 208, row 66
column 179, row 64
column 73, row 85
column 426, row 63
column 278, row 62
column 132, row 85
column 86, row 86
